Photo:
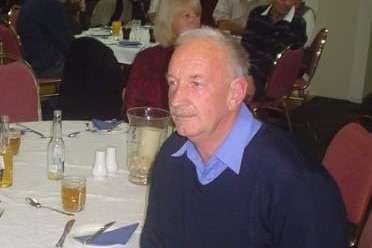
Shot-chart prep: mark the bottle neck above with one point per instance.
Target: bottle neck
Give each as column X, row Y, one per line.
column 57, row 127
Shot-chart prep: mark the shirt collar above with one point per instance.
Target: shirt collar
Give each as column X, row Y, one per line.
column 231, row 150
column 287, row 17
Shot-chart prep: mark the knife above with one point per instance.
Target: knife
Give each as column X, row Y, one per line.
column 91, row 237
column 31, row 130
column 68, row 227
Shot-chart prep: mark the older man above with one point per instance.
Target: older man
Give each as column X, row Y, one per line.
column 270, row 29
column 225, row 179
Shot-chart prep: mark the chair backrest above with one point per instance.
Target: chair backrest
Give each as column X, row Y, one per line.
column 91, row 88
column 349, row 160
column 19, row 92
column 314, row 53
column 366, row 236
column 9, row 40
column 13, row 14
column 284, row 74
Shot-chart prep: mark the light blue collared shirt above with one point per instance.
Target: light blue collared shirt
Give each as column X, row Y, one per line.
column 229, row 154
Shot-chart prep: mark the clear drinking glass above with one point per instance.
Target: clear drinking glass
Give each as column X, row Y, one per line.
column 73, row 193
column 148, row 128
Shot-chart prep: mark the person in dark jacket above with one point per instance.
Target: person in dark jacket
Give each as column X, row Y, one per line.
column 45, row 35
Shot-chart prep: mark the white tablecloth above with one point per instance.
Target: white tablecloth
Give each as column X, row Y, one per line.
column 113, row 198
column 124, row 55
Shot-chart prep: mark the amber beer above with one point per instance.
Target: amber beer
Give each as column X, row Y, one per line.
column 6, row 168
column 116, row 28
column 73, row 193
column 14, row 140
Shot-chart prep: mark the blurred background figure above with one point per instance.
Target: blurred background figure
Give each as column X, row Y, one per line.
column 147, row 85
column 207, row 8
column 269, row 30
column 45, row 34
column 232, row 15
column 310, row 18
column 77, row 15
column 107, row 11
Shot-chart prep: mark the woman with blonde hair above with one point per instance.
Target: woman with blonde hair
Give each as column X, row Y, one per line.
column 147, row 85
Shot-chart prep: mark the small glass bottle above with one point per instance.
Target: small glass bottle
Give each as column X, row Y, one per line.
column 56, row 149
column 6, row 155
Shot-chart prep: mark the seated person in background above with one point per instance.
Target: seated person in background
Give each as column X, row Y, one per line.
column 225, row 179
column 45, row 35
column 147, row 85
column 232, row 15
column 153, row 8
column 309, row 16
column 207, row 7
column 107, row 11
column 77, row 15
column 270, row 29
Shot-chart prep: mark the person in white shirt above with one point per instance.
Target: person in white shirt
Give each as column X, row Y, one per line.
column 232, row 15
column 309, row 16
column 108, row 10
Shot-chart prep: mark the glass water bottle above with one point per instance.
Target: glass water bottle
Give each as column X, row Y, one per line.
column 56, row 149
column 6, row 155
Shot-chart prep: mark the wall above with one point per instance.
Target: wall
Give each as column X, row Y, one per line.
column 342, row 70
column 368, row 81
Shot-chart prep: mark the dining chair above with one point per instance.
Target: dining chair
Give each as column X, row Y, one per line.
column 9, row 40
column 19, row 92
column 11, row 45
column 279, row 84
column 13, row 14
column 348, row 158
column 365, row 240
column 311, row 60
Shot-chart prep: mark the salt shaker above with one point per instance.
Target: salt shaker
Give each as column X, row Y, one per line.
column 99, row 170
column 111, row 162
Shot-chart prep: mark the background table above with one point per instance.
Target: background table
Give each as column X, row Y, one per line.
column 113, row 198
column 124, row 54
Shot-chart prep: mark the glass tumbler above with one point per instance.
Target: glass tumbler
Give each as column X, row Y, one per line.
column 148, row 128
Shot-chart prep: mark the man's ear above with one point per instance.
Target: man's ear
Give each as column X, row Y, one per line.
column 237, row 92
column 251, row 89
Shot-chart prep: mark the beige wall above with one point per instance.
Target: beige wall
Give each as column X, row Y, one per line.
column 342, row 69
column 368, row 81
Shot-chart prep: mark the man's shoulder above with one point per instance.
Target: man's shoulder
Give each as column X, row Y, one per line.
column 258, row 10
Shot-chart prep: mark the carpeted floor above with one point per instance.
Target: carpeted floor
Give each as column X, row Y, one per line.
column 316, row 121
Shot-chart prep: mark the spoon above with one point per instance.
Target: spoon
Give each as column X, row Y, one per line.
column 72, row 135
column 33, row 202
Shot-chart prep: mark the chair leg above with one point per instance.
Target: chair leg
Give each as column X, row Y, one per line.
column 287, row 116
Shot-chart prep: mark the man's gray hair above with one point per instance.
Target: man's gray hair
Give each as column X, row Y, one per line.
column 239, row 59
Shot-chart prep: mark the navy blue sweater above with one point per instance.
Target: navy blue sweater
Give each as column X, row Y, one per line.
column 281, row 198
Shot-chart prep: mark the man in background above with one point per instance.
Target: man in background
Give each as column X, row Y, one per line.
column 45, row 34
column 269, row 30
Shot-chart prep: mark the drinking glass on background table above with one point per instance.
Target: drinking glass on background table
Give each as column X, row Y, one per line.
column 148, row 128
column 135, row 28
column 14, row 140
column 73, row 193
column 116, row 29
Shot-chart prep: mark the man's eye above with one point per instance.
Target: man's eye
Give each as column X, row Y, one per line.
column 195, row 83
column 172, row 82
